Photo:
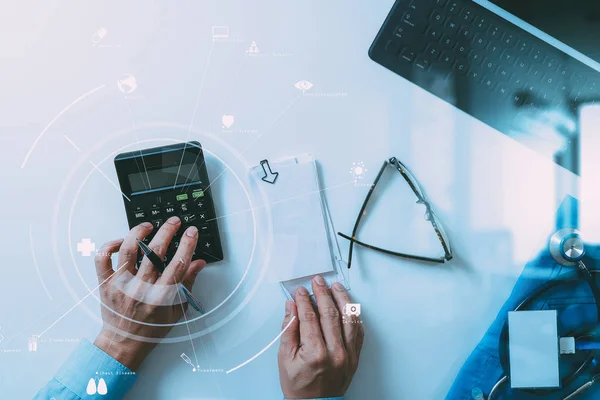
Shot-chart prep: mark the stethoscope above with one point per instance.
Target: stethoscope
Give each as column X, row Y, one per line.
column 568, row 249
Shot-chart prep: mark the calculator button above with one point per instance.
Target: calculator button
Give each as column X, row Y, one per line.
column 198, row 193
column 204, row 229
column 184, row 207
column 205, row 243
column 202, row 216
column 170, row 210
column 182, row 197
column 155, row 212
column 188, row 218
column 201, row 203
column 173, row 248
column 157, row 223
column 139, row 214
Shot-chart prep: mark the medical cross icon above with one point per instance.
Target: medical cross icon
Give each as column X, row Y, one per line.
column 86, row 247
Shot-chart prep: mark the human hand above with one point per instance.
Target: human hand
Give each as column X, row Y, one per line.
column 319, row 352
column 130, row 295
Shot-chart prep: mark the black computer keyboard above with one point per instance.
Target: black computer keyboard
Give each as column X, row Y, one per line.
column 498, row 68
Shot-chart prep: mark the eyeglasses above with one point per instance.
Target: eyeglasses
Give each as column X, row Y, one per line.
column 421, row 199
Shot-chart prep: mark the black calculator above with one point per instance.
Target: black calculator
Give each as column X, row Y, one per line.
column 168, row 181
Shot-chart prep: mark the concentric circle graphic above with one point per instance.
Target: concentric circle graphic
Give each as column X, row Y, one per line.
column 263, row 265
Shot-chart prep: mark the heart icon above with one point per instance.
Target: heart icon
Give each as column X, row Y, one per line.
column 227, row 121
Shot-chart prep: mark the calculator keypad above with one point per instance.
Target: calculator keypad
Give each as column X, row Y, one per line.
column 194, row 208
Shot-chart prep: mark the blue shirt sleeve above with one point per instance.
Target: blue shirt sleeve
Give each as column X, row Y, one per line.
column 89, row 373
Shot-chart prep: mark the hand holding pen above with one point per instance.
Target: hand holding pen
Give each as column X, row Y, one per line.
column 132, row 327
column 158, row 263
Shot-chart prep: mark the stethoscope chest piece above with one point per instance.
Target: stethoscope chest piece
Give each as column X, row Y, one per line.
column 566, row 247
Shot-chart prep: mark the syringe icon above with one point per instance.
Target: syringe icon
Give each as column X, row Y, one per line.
column 185, row 358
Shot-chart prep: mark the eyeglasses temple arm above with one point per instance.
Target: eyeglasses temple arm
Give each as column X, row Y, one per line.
column 393, row 253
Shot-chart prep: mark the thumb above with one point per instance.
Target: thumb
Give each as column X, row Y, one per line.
column 290, row 337
column 190, row 275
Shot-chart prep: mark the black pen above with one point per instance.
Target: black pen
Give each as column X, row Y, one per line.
column 159, row 264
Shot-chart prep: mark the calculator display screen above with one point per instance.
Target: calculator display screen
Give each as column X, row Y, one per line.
column 164, row 177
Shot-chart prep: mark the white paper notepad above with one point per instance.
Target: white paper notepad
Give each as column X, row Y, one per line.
column 301, row 245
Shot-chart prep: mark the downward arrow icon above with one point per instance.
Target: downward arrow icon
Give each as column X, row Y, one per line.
column 270, row 176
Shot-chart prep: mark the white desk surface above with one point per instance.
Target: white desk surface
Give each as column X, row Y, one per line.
column 496, row 197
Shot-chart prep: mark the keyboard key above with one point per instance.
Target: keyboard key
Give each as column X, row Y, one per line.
column 403, row 32
column 545, row 96
column 184, row 207
column 451, row 26
column 509, row 40
column 465, row 34
column 467, row 16
column 494, row 49
column 503, row 73
column 519, row 99
column 524, row 47
column 475, row 74
column 453, row 7
column 563, row 89
column 408, row 55
column 488, row 83
column 439, row 3
column 433, row 51
column 537, row 55
column 419, row 9
column 549, row 80
column 447, row 60
column 462, row 49
column 495, row 32
column 592, row 86
column 522, row 66
column 438, row 18
column 475, row 57
column 551, row 63
column 502, row 89
column 564, row 72
column 517, row 80
column 489, row 66
column 433, row 34
column 482, row 23
column 507, row 58
column 448, row 41
column 480, row 41
column 462, row 67
column 536, row 73
column 579, row 79
column 423, row 63
column 532, row 90
column 409, row 20
column 139, row 215
column 155, row 212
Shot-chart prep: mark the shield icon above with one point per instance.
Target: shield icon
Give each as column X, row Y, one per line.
column 227, row 121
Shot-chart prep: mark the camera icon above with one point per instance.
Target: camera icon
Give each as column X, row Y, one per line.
column 352, row 309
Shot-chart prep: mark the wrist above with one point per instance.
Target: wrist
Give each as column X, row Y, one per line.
column 129, row 352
